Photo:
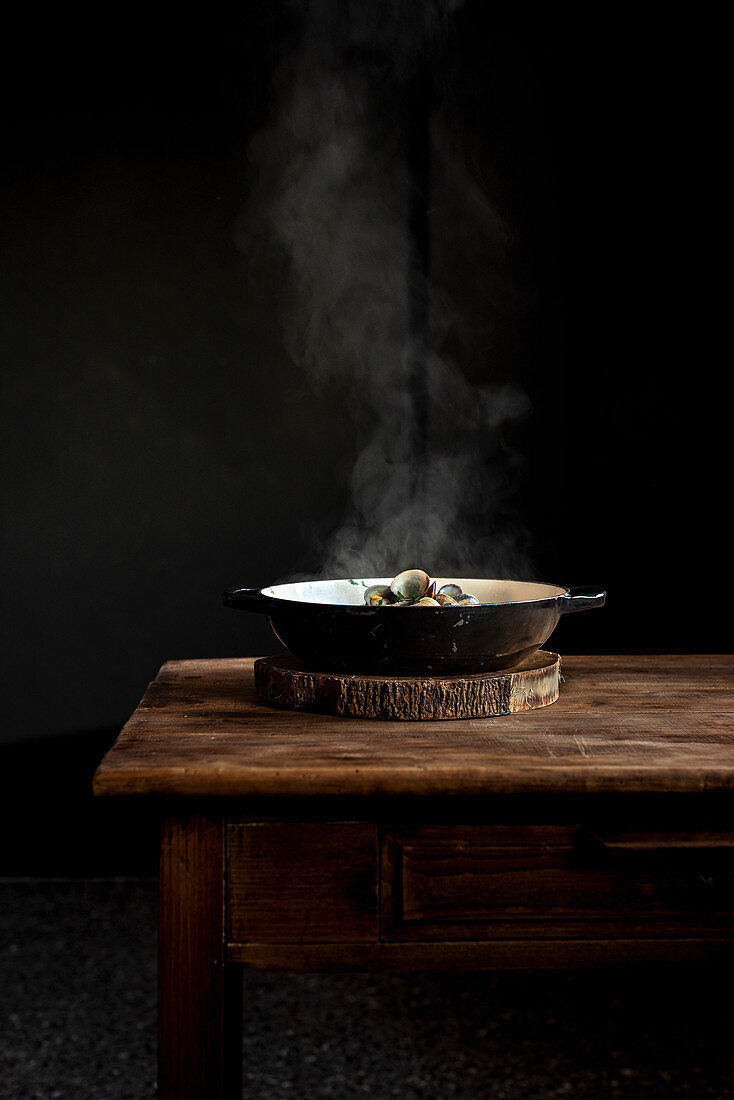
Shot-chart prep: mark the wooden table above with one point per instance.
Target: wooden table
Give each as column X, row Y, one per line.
column 594, row 831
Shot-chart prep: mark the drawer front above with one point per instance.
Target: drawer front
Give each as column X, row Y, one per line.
column 302, row 883
column 478, row 882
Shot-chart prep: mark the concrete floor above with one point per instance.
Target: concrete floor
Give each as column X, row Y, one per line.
column 77, row 999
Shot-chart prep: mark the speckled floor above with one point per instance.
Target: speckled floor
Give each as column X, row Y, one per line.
column 77, row 998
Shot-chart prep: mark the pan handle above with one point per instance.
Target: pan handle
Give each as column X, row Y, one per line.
column 245, row 599
column 582, row 599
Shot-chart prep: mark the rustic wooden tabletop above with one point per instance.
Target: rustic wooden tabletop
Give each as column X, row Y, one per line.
column 622, row 723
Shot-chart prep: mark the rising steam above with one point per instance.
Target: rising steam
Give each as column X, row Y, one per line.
column 333, row 192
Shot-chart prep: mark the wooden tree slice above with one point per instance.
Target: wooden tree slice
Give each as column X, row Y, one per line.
column 285, row 682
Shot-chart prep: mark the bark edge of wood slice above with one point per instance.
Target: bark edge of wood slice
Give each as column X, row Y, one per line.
column 283, row 681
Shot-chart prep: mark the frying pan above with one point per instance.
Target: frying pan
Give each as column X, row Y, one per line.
column 328, row 625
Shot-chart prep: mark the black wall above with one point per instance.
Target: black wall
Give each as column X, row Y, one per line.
column 159, row 443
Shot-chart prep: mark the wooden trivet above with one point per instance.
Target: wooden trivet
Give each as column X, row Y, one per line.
column 285, row 682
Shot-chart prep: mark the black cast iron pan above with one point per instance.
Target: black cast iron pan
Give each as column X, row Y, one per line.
column 328, row 625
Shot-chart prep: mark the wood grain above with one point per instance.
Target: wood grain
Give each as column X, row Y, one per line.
column 500, row 955
column 285, row 682
column 303, row 883
column 622, row 724
column 199, row 991
column 508, row 882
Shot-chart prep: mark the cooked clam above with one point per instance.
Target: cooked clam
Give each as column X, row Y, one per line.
column 414, row 588
column 378, row 594
column 410, row 585
column 444, row 600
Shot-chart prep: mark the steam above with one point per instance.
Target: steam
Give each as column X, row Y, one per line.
column 333, row 194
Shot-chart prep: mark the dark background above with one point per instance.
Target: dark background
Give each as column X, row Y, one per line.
column 159, row 444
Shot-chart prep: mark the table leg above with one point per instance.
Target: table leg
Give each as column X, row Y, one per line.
column 199, row 994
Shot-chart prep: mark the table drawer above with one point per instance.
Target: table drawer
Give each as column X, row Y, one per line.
column 478, row 882
column 302, row 883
